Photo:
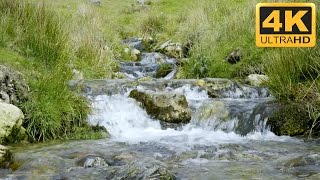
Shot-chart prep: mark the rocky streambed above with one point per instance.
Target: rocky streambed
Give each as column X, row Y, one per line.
column 225, row 137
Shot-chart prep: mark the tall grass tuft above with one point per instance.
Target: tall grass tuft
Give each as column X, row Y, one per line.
column 40, row 34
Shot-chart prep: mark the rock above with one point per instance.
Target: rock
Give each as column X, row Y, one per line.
column 213, row 115
column 155, row 58
column 164, row 70
column 172, row 108
column 171, row 49
column 90, row 161
column 118, row 75
column 234, row 57
column 291, row 120
column 6, row 157
column 13, row 88
column 135, row 54
column 301, row 161
column 201, row 83
column 125, row 158
column 11, row 118
column 77, row 75
column 256, row 79
column 96, row 2
column 137, row 170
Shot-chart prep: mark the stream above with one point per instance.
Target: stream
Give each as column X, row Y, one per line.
column 227, row 137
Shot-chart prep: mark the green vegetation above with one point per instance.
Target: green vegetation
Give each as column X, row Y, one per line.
column 35, row 42
column 47, row 40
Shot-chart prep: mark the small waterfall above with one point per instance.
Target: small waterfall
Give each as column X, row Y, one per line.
column 214, row 121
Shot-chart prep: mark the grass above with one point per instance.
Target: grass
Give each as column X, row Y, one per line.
column 36, row 42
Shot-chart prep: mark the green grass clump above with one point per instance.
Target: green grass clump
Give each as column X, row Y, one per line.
column 42, row 37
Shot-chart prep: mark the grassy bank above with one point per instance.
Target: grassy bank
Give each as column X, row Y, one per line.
column 36, row 41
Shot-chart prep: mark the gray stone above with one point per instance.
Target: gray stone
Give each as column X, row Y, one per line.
column 13, row 88
column 137, row 170
column 11, row 119
column 90, row 161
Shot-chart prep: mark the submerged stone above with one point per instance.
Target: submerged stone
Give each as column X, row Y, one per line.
column 90, row 161
column 137, row 170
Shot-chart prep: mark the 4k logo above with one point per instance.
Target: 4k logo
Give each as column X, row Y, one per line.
column 286, row 25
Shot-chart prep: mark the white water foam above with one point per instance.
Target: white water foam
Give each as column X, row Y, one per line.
column 126, row 121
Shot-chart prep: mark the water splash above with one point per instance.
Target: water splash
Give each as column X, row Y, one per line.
column 126, row 121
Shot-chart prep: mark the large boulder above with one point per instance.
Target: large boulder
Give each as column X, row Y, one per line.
column 11, row 118
column 13, row 88
column 5, row 157
column 292, row 120
column 171, row 108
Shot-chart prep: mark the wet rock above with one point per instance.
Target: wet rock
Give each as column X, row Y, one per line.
column 11, row 118
column 213, row 115
column 234, row 57
column 155, row 58
column 137, row 170
column 291, row 120
column 13, row 88
column 256, row 79
column 171, row 49
column 167, row 107
column 164, row 70
column 90, row 161
column 125, row 158
column 301, row 161
column 118, row 75
column 5, row 157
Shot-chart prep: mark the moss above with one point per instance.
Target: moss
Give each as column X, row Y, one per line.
column 290, row 120
column 18, row 134
column 164, row 70
column 89, row 132
column 6, row 159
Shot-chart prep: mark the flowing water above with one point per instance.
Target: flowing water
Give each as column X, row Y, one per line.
column 227, row 138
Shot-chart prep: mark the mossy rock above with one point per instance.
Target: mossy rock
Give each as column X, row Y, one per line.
column 6, row 157
column 171, row 108
column 164, row 70
column 291, row 120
